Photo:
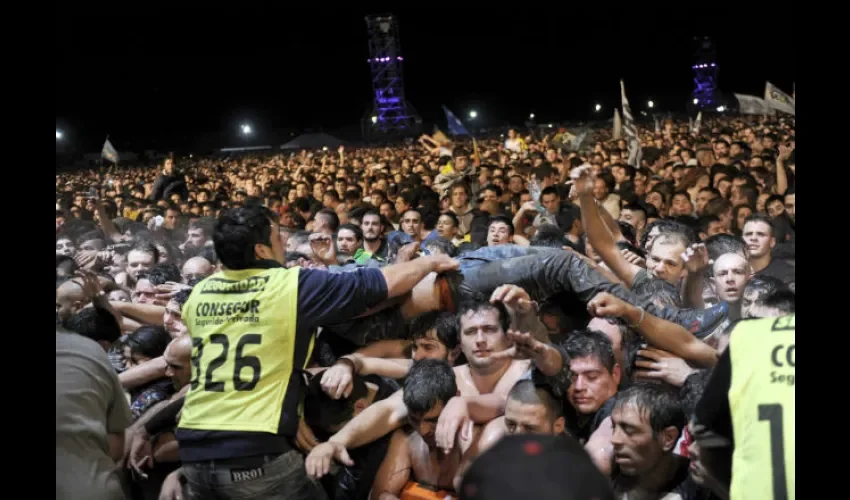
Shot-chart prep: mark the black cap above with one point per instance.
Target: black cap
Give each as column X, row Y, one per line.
column 536, row 467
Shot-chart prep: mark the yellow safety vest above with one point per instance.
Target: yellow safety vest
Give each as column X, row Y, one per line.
column 762, row 402
column 243, row 327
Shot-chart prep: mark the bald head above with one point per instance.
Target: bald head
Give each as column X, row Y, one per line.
column 197, row 267
column 69, row 299
column 731, row 273
column 177, row 356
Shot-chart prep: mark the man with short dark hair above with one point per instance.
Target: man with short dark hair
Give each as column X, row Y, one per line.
column 648, row 419
column 413, row 454
column 758, row 233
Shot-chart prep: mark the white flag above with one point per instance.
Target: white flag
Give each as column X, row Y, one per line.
column 698, row 122
column 629, row 128
column 618, row 124
column 778, row 99
column 752, row 105
column 109, row 152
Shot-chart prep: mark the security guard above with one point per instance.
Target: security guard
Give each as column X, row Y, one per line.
column 252, row 327
column 745, row 421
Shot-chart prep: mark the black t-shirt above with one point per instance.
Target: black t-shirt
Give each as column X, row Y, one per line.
column 354, row 483
column 587, row 425
column 680, row 484
column 781, row 270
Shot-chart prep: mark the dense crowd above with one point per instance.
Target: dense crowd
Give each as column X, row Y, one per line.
column 445, row 311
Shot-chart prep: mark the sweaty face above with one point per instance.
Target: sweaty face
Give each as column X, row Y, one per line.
column 139, row 261
column 177, row 367
column 172, row 319
column 665, row 261
column 636, row 449
column 145, row 293
column 498, row 234
column 523, row 418
column 731, row 272
column 481, row 335
column 591, row 385
column 65, row 247
column 426, row 424
column 428, row 347
column 758, row 238
column 347, row 242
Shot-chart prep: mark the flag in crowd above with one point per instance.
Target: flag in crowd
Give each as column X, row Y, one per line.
column 455, row 126
column 109, row 152
column 778, row 99
column 752, row 105
column 657, row 124
column 635, row 151
column 618, row 124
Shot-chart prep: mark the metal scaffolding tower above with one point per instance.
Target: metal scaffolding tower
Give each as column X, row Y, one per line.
column 705, row 68
column 391, row 114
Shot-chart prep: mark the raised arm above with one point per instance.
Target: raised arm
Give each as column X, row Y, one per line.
column 663, row 334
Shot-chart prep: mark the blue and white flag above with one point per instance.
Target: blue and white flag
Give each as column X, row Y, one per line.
column 109, row 152
column 455, row 126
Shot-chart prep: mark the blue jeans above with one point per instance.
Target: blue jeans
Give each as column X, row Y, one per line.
column 280, row 478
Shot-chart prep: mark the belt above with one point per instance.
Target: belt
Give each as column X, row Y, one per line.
column 236, row 470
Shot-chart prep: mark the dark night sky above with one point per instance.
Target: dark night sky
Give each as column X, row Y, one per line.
column 178, row 73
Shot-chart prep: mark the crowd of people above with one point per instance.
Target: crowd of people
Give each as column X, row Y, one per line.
column 509, row 318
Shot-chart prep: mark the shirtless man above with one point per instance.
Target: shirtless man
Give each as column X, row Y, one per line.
column 413, row 454
column 483, row 384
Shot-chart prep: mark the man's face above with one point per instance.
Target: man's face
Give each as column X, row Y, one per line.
column 551, row 202
column 731, row 272
column 446, row 227
column 318, row 191
column 347, row 242
column 522, row 418
column 328, row 201
column 145, row 293
column 178, row 368
column 372, row 228
column 489, row 195
column 656, row 200
column 702, row 198
column 600, row 189
column 481, row 335
column 776, row 208
column 681, row 205
column 411, row 223
column 66, row 247
column 721, row 150
column 698, row 472
column 498, row 234
column 757, row 236
column 388, row 210
column 195, row 239
column 426, row 424
column 664, row 261
column 515, row 184
column 636, row 219
column 791, row 205
column 459, row 198
column 591, row 385
column 430, row 347
column 637, row 450
column 301, row 191
column 170, row 219
column 716, row 227
column 139, row 261
column 172, row 319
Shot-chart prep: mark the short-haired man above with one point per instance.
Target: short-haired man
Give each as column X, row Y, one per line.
column 758, row 233
column 483, row 383
column 413, row 454
column 647, row 420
